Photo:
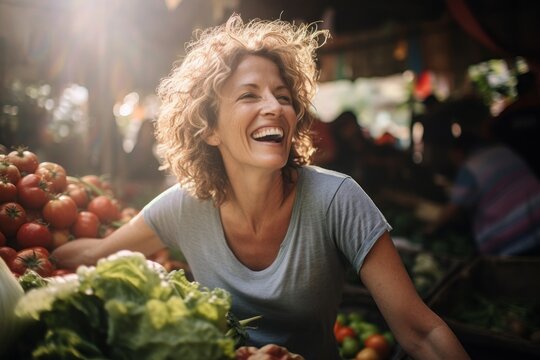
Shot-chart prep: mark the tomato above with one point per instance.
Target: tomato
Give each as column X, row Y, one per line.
column 41, row 250
column 367, row 354
column 25, row 160
column 10, row 171
column 378, row 343
column 93, row 180
column 8, row 191
column 61, row 272
column 60, row 212
column 34, row 260
column 33, row 191
column 79, row 194
column 60, row 237
column 86, row 225
column 3, row 239
column 343, row 332
column 34, row 234
column 105, row 208
column 54, row 174
column 12, row 216
column 7, row 254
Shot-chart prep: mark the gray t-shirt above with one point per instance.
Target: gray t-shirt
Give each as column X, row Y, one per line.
column 333, row 222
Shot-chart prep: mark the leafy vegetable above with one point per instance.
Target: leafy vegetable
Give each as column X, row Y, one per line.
column 126, row 307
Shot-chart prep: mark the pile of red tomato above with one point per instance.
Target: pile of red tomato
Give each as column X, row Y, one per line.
column 359, row 339
column 41, row 208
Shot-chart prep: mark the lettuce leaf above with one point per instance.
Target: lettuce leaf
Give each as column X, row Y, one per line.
column 126, row 307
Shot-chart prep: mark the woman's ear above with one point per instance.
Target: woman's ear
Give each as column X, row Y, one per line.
column 211, row 138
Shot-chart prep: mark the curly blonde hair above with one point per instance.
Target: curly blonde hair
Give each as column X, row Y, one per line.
column 189, row 96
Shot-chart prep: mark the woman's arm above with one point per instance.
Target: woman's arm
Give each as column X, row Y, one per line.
column 134, row 235
column 420, row 332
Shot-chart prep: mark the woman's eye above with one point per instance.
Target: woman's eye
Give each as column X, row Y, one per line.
column 246, row 96
column 284, row 99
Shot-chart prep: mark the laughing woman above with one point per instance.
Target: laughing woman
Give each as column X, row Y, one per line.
column 251, row 215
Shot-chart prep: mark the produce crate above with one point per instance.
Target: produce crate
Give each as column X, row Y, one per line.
column 428, row 271
column 493, row 306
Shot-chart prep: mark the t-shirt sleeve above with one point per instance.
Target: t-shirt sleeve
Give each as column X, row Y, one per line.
column 355, row 222
column 161, row 214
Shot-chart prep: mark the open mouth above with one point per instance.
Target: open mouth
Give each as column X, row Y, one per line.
column 268, row 134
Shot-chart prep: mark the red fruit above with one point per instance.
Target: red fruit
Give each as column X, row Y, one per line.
column 10, row 171
column 34, row 234
column 54, row 174
column 3, row 239
column 60, row 212
column 8, row 191
column 26, row 161
column 105, row 208
column 343, row 332
column 378, row 343
column 32, row 259
column 86, row 225
column 33, row 191
column 12, row 216
column 7, row 254
column 61, row 272
column 79, row 194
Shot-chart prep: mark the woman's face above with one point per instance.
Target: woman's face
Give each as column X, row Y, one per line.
column 256, row 118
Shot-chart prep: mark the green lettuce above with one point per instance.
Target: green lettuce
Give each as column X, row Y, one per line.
column 125, row 307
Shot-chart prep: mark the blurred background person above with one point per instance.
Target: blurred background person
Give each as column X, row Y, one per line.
column 493, row 186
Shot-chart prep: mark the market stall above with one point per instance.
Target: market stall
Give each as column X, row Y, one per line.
column 78, row 160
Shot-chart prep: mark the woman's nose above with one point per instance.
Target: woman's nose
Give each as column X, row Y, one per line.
column 271, row 105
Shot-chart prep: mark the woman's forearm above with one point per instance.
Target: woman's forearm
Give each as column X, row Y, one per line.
column 75, row 253
column 439, row 343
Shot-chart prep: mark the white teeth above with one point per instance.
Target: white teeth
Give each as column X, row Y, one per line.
column 268, row 131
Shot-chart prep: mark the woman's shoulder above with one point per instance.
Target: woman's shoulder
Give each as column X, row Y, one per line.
column 320, row 183
column 318, row 176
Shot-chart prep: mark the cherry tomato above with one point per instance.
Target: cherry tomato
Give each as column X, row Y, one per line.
column 34, row 234
column 7, row 254
column 378, row 343
column 54, row 174
column 105, row 208
column 79, row 194
column 34, row 260
column 33, row 191
column 25, row 160
column 12, row 216
column 60, row 212
column 343, row 332
column 3, row 239
column 86, row 225
column 10, row 171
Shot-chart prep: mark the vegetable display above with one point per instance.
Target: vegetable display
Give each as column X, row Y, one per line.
column 126, row 307
column 42, row 206
column 359, row 338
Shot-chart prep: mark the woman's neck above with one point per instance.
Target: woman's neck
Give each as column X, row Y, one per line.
column 255, row 197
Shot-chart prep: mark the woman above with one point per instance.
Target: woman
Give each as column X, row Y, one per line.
column 250, row 215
